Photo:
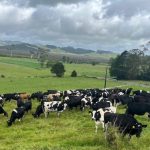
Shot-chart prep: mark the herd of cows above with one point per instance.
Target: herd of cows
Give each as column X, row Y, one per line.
column 102, row 106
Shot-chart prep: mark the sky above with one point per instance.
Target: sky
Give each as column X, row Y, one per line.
column 116, row 25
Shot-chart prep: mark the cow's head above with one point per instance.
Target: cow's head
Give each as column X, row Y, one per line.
column 137, row 129
column 95, row 115
column 5, row 114
column 9, row 123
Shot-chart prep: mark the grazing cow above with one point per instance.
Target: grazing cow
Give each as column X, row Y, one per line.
column 101, row 104
column 38, row 95
column 140, row 108
column 73, row 101
column 126, row 124
column 38, row 112
column 27, row 104
column 17, row 113
column 56, row 106
column 125, row 99
column 9, row 96
column 85, row 102
column 2, row 111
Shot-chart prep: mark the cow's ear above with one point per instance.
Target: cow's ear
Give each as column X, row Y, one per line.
column 144, row 126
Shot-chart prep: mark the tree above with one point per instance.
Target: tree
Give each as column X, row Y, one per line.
column 58, row 69
column 119, row 66
column 74, row 73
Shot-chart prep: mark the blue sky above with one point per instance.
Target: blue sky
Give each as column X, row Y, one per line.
column 93, row 24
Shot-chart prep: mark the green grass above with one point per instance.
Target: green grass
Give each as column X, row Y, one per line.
column 74, row 130
column 31, row 63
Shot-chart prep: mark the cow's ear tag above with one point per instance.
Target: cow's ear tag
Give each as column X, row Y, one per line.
column 133, row 127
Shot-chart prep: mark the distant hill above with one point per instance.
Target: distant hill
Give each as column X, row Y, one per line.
column 21, row 49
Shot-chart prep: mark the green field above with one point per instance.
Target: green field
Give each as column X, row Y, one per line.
column 74, row 130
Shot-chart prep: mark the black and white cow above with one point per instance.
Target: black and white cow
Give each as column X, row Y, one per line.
column 2, row 111
column 17, row 113
column 126, row 124
column 86, row 102
column 98, row 116
column 46, row 107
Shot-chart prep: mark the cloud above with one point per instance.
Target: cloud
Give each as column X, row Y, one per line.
column 35, row 3
column 95, row 24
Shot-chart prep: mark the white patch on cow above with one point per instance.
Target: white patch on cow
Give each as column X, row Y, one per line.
column 83, row 99
column 110, row 103
column 69, row 92
column 65, row 106
column 93, row 114
column 100, row 98
column 120, row 93
column 66, row 98
column 15, row 110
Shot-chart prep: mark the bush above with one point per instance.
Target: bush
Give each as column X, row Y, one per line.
column 58, row 69
column 74, row 73
column 2, row 76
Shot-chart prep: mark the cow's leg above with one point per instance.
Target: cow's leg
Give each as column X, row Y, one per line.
column 58, row 114
column 103, row 126
column 106, row 130
column 96, row 126
column 45, row 112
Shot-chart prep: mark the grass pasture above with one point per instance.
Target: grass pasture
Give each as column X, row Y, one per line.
column 73, row 130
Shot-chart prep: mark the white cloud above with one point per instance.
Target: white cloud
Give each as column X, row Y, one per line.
column 98, row 24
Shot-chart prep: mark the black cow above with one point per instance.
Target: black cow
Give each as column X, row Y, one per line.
column 126, row 124
column 138, row 108
column 27, row 105
column 143, row 99
column 10, row 96
column 141, row 93
column 39, row 111
column 17, row 113
column 2, row 111
column 38, row 95
column 73, row 101
column 101, row 104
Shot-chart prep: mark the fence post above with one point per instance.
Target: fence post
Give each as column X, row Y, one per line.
column 105, row 79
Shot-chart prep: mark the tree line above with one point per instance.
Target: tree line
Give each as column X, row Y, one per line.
column 131, row 65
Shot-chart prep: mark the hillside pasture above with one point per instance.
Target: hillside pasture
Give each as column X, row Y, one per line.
column 73, row 130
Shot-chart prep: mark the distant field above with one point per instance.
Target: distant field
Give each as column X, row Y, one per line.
column 74, row 130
